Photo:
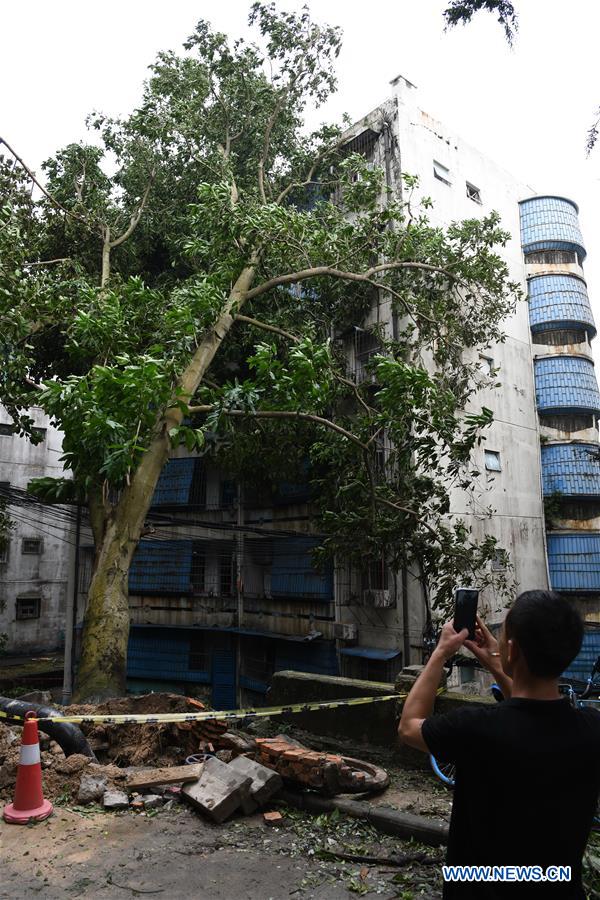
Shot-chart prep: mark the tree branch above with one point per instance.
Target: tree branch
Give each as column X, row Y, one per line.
column 52, row 199
column 263, row 325
column 331, row 272
column 266, row 143
column 283, row 414
column 49, row 262
column 136, row 215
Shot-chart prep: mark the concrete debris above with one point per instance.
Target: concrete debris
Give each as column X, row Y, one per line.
column 115, row 800
column 91, row 788
column 219, row 791
column 265, row 782
column 167, row 775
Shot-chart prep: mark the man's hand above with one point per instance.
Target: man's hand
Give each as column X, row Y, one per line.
column 451, row 641
column 485, row 648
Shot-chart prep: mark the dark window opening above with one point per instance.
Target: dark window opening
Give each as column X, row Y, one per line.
column 568, row 421
column 199, row 656
column 372, row 669
column 226, row 575
column 6, row 429
column 31, row 546
column 366, row 346
column 39, row 434
column 198, row 571
column 375, row 576
column 28, row 607
column 581, row 510
column 559, row 337
column 552, row 257
column 258, row 660
column 198, row 486
column 473, row 193
column 228, row 494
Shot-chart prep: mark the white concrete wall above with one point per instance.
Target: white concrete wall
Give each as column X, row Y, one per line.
column 46, row 575
column 514, row 493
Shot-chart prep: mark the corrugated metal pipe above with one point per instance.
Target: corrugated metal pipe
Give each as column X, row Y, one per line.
column 68, row 736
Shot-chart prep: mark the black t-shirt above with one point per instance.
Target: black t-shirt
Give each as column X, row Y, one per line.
column 527, row 783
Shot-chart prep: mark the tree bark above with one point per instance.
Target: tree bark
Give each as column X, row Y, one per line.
column 103, row 664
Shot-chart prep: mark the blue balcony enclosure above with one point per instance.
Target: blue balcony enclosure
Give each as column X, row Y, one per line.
column 161, row 567
column 162, row 655
column 175, row 482
column 559, row 302
column 581, row 667
column 574, row 562
column 550, row 223
column 571, row 470
column 566, row 384
column 293, row 574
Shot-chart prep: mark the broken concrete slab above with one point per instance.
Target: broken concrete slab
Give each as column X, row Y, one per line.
column 139, row 781
column 265, row 782
column 218, row 792
column 91, row 788
column 114, row 800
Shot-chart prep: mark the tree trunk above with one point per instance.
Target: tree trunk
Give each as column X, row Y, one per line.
column 103, row 664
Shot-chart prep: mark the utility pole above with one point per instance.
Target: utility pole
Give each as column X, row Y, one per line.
column 71, row 619
column 239, row 586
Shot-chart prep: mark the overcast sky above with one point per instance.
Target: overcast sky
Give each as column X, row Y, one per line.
column 528, row 108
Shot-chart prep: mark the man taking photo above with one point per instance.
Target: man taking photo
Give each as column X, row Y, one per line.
column 527, row 769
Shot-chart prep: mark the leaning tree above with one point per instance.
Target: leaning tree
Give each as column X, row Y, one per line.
column 187, row 275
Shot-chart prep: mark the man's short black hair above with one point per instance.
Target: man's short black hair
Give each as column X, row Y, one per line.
column 548, row 630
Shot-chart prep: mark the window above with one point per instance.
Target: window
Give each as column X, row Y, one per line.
column 383, row 670
column 39, row 434
column 226, row 575
column 492, row 461
column 228, row 494
column 551, row 257
column 31, row 546
column 473, row 193
column 4, row 545
column 441, row 173
column 198, row 573
column 486, row 364
column 499, row 561
column 199, row 654
column 6, row 429
column 375, row 577
column 28, row 607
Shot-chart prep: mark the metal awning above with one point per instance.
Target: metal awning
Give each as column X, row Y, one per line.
column 370, row 652
column 276, row 635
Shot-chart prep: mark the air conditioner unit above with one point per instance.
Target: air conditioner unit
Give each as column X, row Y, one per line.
column 381, row 599
column 345, row 632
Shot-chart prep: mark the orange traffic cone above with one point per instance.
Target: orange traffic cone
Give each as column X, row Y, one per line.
column 29, row 803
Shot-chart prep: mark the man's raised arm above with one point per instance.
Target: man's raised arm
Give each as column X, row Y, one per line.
column 419, row 703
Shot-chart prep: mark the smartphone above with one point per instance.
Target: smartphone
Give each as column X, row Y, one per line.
column 465, row 609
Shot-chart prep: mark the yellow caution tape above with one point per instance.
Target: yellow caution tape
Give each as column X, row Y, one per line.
column 206, row 715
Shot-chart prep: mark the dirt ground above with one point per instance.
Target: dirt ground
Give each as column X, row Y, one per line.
column 178, row 854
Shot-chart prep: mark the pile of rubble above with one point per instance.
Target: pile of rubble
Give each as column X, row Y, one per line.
column 139, row 767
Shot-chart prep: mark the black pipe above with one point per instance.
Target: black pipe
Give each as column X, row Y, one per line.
column 67, row 735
